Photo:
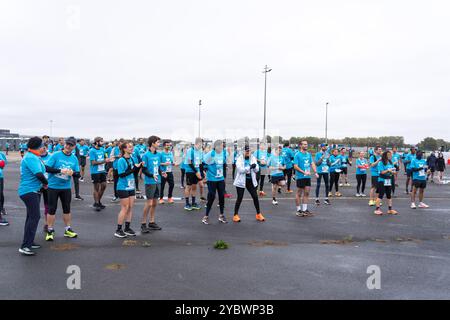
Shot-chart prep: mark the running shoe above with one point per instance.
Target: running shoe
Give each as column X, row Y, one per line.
column 228, row 195
column 195, row 206
column 338, row 194
column 81, row 179
column 4, row 212
column 120, row 234
column 35, row 246
column 372, row 203
column 423, row 205
column 260, row 217
column 327, row 202
column 154, row 226
column 413, row 206
column 188, row 207
column 341, row 184
column 236, row 218
column 129, row 232
column 330, row 194
column 114, row 199
column 26, row 252
column 205, row 220
column 307, row 213
column 274, row 202
column 50, row 235
column 203, row 199
column 144, row 229
column 363, row 195
column 300, row 213
column 3, row 222
column 69, row 233
column 79, row 198
column 392, row 211
column 170, row 201
column 378, row 212
column 289, row 191
column 348, row 184
column 222, row 219
column 101, row 206
column 317, row 202
column 358, row 195
column 161, row 201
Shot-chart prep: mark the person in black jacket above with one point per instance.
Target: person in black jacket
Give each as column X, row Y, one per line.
column 440, row 166
column 431, row 163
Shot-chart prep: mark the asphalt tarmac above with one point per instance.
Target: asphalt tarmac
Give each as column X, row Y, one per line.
column 322, row 257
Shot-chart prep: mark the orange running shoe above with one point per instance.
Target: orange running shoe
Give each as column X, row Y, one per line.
column 289, row 191
column 392, row 211
column 170, row 200
column 161, row 201
column 338, row 194
column 236, row 218
column 378, row 212
column 260, row 217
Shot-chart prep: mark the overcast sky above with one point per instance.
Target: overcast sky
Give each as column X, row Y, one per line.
column 137, row 68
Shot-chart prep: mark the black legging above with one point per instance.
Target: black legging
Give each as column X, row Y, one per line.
column 2, row 196
column 136, row 178
column 76, row 185
column 32, row 201
column 334, row 181
column 214, row 186
column 261, row 178
column 234, row 169
column 288, row 177
column 240, row 195
column 171, row 183
column 325, row 177
column 361, row 180
column 393, row 184
column 116, row 180
column 183, row 173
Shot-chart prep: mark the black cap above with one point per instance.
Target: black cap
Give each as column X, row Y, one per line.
column 71, row 141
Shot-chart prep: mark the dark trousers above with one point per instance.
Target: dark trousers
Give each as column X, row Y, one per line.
column 76, row 185
column 325, row 177
column 260, row 178
column 2, row 196
column 171, row 183
column 234, row 170
column 183, row 173
column 116, row 180
column 334, row 181
column 361, row 182
column 288, row 177
column 32, row 202
column 213, row 187
column 240, row 195
column 136, row 178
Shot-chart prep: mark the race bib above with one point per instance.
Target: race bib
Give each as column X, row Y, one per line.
column 169, row 168
column 387, row 182
column 101, row 167
column 422, row 173
column 219, row 173
column 130, row 184
column 325, row 169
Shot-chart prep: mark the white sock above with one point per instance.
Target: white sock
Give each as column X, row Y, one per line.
column 67, row 228
column 304, row 207
column 298, row 208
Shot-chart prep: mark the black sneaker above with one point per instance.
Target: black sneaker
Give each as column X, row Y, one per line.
column 26, row 252
column 327, row 202
column 318, row 202
column 144, row 229
column 35, row 246
column 130, row 232
column 120, row 234
column 154, row 226
column 97, row 207
column 101, row 206
column 3, row 222
column 4, row 212
column 79, row 198
column 300, row 213
column 279, row 190
column 307, row 213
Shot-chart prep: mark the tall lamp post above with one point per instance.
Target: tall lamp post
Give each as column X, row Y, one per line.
column 199, row 108
column 266, row 70
column 326, row 123
column 51, row 128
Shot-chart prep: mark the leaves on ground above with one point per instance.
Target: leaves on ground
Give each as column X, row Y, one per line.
column 115, row 266
column 220, row 244
column 64, row 247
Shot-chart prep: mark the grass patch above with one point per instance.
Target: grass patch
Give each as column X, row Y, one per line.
column 221, row 245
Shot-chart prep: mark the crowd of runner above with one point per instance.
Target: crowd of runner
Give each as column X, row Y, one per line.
column 49, row 171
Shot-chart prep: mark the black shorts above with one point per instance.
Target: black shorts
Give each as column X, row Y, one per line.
column 98, row 177
column 191, row 178
column 276, row 179
column 409, row 173
column 65, row 195
column 344, row 170
column 384, row 190
column 420, row 184
column 82, row 161
column 123, row 194
column 375, row 182
column 302, row 183
column 152, row 191
column 433, row 169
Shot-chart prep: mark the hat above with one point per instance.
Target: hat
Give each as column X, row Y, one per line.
column 323, row 145
column 71, row 141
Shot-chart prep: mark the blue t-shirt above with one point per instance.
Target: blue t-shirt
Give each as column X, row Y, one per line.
column 195, row 157
column 215, row 162
column 344, row 160
column 361, row 162
column 396, row 159
column 166, row 157
column 59, row 160
column 261, row 155
column 139, row 151
column 276, row 162
column 2, row 157
column 45, row 159
column 151, row 162
column 382, row 167
column 335, row 163
column 29, row 167
column 108, row 151
column 288, row 156
column 374, row 170
column 324, row 167
column 419, row 164
column 116, row 153
column 410, row 157
column 84, row 150
column 304, row 162
column 125, row 183
column 99, row 156
column 23, row 147
column 58, row 147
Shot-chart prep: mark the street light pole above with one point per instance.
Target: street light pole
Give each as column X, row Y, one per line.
column 266, row 70
column 51, row 128
column 326, row 123
column 199, row 108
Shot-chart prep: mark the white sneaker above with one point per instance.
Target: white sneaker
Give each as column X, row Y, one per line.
column 423, row 205
column 275, row 202
column 363, row 195
column 413, row 206
column 358, row 195
column 341, row 184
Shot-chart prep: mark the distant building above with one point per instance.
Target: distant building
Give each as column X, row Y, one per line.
column 12, row 138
